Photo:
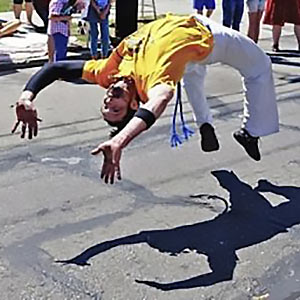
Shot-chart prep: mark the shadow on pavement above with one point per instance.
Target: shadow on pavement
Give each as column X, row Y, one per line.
column 7, row 72
column 250, row 220
column 285, row 53
column 5, row 61
column 280, row 60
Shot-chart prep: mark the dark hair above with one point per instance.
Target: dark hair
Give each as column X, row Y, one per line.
column 120, row 124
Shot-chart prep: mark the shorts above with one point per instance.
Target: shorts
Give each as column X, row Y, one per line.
column 208, row 4
column 255, row 5
column 21, row 1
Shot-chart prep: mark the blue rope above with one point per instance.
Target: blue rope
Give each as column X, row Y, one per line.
column 175, row 139
column 187, row 132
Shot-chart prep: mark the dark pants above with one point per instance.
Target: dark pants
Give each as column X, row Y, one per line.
column 61, row 43
column 126, row 17
column 42, row 10
column 232, row 13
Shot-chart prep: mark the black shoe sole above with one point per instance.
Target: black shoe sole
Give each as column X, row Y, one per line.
column 242, row 141
column 210, row 146
column 209, row 141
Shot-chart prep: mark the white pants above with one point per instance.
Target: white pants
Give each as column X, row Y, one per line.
column 260, row 115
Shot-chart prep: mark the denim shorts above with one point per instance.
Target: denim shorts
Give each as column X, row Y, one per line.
column 255, row 5
column 208, row 4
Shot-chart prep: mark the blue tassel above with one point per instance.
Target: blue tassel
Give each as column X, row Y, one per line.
column 187, row 132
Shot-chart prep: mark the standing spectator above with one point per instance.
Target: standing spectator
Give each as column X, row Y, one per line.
column 232, row 13
column 59, row 25
column 17, row 8
column 126, row 18
column 255, row 12
column 50, row 48
column 210, row 6
column 42, row 9
column 59, row 28
column 279, row 12
column 98, row 12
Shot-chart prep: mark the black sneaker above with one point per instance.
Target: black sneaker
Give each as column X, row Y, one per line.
column 209, row 141
column 249, row 143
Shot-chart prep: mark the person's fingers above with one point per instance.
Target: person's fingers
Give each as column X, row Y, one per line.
column 104, row 170
column 108, row 173
column 23, row 130
column 29, row 132
column 118, row 171
column 96, row 151
column 15, row 126
column 106, row 178
column 112, row 176
column 35, row 130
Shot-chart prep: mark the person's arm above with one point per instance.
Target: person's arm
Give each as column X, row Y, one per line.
column 159, row 97
column 57, row 11
column 25, row 110
column 105, row 11
column 60, row 18
column 95, row 6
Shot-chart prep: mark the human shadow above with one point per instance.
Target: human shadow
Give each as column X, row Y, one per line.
column 285, row 53
column 250, row 220
column 6, row 72
column 279, row 60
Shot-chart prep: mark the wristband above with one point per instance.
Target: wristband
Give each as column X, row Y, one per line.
column 146, row 115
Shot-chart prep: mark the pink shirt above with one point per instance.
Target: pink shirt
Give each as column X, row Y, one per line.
column 55, row 8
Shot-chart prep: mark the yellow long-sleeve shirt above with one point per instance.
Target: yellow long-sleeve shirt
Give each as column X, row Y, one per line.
column 156, row 53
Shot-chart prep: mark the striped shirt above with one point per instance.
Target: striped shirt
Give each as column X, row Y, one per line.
column 55, row 8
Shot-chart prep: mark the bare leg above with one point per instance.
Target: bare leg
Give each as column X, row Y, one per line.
column 276, row 36
column 200, row 12
column 29, row 10
column 252, row 26
column 51, row 48
column 258, row 19
column 17, row 10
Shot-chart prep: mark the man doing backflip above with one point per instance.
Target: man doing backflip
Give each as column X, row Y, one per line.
column 141, row 75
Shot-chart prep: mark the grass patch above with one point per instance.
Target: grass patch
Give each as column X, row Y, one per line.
column 81, row 39
column 5, row 5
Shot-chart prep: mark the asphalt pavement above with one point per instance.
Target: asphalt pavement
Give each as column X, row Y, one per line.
column 181, row 225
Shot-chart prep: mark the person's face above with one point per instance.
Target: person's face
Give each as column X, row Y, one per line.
column 116, row 102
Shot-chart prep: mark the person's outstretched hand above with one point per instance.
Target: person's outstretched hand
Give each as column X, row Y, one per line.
column 26, row 114
column 111, row 164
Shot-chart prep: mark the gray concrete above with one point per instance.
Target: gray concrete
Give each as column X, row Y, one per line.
column 147, row 227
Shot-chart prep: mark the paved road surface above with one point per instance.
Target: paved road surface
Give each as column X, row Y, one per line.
column 145, row 237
